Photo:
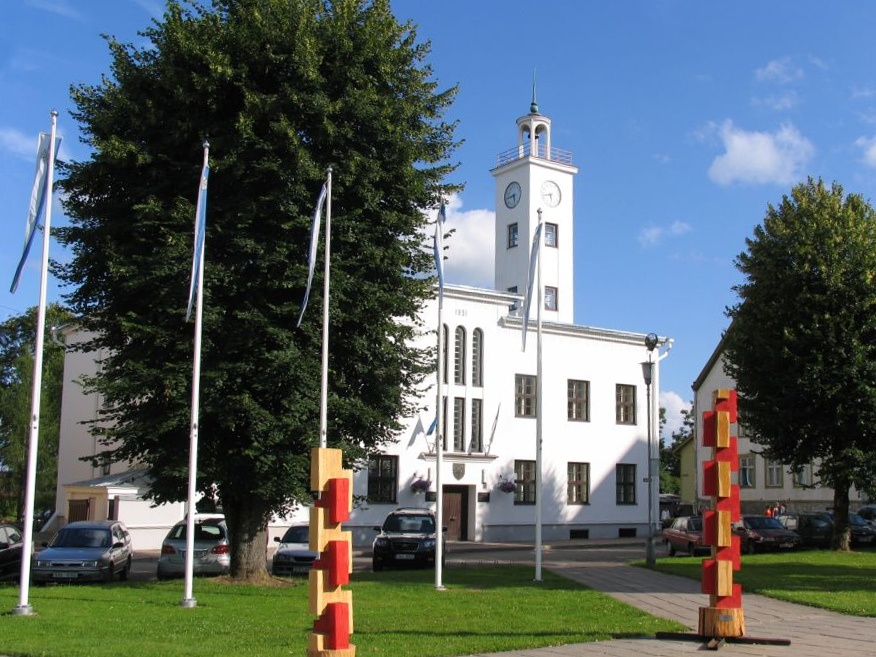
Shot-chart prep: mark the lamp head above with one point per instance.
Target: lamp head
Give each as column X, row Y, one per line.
column 651, row 341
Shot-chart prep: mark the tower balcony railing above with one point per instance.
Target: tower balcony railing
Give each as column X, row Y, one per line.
column 540, row 151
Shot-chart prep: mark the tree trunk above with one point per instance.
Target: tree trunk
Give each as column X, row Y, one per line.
column 246, row 528
column 841, row 535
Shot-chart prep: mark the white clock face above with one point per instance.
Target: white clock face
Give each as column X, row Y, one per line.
column 550, row 193
column 512, row 195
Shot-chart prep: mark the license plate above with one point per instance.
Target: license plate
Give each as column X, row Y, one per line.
column 404, row 556
column 64, row 575
column 786, row 545
column 300, row 570
column 866, row 539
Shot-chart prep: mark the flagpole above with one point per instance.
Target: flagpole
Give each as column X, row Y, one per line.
column 439, row 406
column 323, row 404
column 189, row 600
column 24, row 608
column 538, row 418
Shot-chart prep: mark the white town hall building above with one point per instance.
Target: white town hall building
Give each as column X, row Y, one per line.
column 594, row 414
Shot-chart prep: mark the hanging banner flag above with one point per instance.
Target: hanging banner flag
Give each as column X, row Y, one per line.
column 533, row 257
column 438, row 248
column 311, row 256
column 200, row 230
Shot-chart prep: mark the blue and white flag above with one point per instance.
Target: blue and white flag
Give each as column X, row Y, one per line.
column 37, row 199
column 533, row 258
column 311, row 256
column 432, row 426
column 200, row 230
column 438, row 249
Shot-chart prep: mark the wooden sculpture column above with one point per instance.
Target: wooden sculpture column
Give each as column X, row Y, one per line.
column 328, row 600
column 724, row 616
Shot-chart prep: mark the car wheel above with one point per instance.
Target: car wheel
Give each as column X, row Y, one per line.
column 376, row 566
column 671, row 550
column 111, row 572
column 750, row 547
column 126, row 571
column 691, row 550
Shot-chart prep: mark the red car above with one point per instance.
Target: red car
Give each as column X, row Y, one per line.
column 685, row 534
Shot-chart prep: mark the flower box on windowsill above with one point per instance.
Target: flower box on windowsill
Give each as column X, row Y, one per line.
column 507, row 486
column 421, row 486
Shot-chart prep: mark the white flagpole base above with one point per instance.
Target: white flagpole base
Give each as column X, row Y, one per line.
column 188, row 603
column 22, row 610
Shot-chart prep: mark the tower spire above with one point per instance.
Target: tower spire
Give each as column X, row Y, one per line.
column 533, row 106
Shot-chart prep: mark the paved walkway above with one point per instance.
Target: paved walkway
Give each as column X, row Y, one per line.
column 812, row 632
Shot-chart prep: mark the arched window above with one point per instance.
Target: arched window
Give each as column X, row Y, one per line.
column 477, row 358
column 459, row 356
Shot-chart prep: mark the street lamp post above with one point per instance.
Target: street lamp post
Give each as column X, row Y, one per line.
column 648, row 372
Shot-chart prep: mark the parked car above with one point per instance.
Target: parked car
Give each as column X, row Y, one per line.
column 85, row 551
column 814, row 530
column 212, row 552
column 761, row 533
column 868, row 513
column 10, row 552
column 406, row 538
column 685, row 534
column 293, row 555
column 862, row 533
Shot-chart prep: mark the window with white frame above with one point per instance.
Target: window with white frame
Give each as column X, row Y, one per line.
column 524, row 395
column 550, row 235
column 550, row 298
column 578, row 486
column 477, row 425
column 625, row 483
column 513, row 236
column 459, row 356
column 625, row 404
column 477, row 358
column 524, row 476
column 383, row 479
column 803, row 477
column 459, row 424
column 773, row 474
column 746, row 471
column 578, row 402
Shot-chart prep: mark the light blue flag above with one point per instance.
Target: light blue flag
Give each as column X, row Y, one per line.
column 438, row 249
column 311, row 256
column 533, row 257
column 432, row 426
column 200, row 231
column 37, row 199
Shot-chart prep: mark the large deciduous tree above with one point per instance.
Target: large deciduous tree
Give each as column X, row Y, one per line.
column 281, row 89
column 17, row 342
column 802, row 342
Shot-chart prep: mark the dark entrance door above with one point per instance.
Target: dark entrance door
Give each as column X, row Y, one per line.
column 455, row 501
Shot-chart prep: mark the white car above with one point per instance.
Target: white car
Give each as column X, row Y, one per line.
column 293, row 555
column 212, row 552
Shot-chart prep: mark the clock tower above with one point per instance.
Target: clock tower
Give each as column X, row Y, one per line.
column 534, row 175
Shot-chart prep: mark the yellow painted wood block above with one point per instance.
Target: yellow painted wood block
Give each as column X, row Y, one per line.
column 725, row 534
column 723, row 479
column 320, row 593
column 325, row 464
column 725, row 577
column 316, row 648
column 721, row 394
column 722, row 439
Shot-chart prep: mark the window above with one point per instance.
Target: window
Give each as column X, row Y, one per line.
column 773, row 474
column 625, row 482
column 459, row 356
column 579, row 400
column 477, row 425
column 803, row 478
column 513, row 289
column 524, row 476
column 445, row 349
column 550, row 235
column 477, row 358
column 524, row 395
column 579, row 483
column 550, row 298
column 383, row 479
column 459, row 424
column 513, row 236
column 625, row 404
column 746, row 471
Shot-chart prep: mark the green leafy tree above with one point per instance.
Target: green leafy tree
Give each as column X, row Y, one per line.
column 802, row 342
column 17, row 338
column 670, row 460
column 283, row 90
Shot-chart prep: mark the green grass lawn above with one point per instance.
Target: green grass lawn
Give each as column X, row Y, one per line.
column 395, row 613
column 839, row 581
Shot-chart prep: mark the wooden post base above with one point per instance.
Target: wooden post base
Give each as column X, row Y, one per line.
column 721, row 623
column 343, row 652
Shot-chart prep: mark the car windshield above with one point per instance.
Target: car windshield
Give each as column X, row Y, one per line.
column 757, row 522
column 695, row 524
column 408, row 523
column 82, row 538
column 203, row 532
column 857, row 521
column 297, row 535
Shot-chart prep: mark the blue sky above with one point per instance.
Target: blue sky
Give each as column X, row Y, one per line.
column 685, row 119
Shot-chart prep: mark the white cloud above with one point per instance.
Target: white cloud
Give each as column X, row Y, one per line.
column 653, row 235
column 778, row 103
column 18, row 144
column 674, row 405
column 760, row 157
column 780, row 71
column 60, row 7
column 470, row 249
column 868, row 146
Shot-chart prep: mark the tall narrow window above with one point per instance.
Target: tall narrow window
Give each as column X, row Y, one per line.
column 446, row 350
column 513, row 236
column 459, row 356
column 477, row 358
column 746, row 471
column 459, row 424
column 383, row 479
column 550, row 298
column 579, row 483
column 578, row 402
column 444, row 425
column 524, row 395
column 803, row 478
column 774, row 477
column 625, row 482
column 477, row 425
column 625, row 404
column 550, row 235
column 524, row 475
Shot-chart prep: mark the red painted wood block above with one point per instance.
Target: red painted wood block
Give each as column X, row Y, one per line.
column 710, row 428
column 336, row 561
column 335, row 499
column 728, row 401
column 709, row 580
column 730, row 553
column 710, row 478
column 730, row 601
column 334, row 624
column 729, row 454
column 710, row 527
column 730, row 504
